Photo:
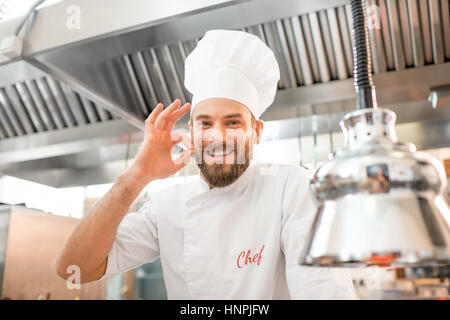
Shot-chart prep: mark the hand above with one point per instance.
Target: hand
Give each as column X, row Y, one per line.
column 154, row 160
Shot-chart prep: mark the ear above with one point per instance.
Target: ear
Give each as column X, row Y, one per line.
column 259, row 130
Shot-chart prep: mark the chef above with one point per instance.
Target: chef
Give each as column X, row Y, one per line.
column 235, row 232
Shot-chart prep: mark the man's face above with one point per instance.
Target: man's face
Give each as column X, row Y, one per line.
column 223, row 134
column 380, row 173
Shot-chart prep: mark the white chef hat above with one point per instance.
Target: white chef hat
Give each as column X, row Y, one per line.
column 232, row 64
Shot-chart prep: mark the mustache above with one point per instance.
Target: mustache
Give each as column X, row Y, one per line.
column 239, row 151
column 212, row 146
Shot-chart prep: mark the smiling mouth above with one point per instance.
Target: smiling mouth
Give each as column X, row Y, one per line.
column 219, row 153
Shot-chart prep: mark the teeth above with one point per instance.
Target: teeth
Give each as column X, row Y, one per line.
column 218, row 154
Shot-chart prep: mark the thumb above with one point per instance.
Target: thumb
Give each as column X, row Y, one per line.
column 183, row 159
column 181, row 135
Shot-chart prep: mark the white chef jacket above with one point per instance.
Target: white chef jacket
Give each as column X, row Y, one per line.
column 242, row 241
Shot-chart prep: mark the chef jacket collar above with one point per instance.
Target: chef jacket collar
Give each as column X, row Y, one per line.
column 239, row 182
column 204, row 193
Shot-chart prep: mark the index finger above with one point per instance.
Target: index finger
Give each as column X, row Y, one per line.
column 177, row 114
column 150, row 121
column 162, row 118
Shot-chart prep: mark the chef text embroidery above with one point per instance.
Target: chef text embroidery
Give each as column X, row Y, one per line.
column 246, row 257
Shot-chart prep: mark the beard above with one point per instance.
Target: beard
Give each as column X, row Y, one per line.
column 221, row 175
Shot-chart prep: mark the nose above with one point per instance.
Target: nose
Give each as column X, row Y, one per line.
column 214, row 135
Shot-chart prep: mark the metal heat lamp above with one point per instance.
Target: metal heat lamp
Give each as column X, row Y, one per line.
column 380, row 201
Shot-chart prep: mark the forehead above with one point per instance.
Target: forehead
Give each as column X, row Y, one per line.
column 220, row 107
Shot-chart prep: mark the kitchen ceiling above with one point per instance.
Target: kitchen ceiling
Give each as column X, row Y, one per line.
column 82, row 95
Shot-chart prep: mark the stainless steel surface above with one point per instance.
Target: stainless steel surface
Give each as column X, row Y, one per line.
column 107, row 55
column 394, row 27
column 426, row 33
column 440, row 96
column 88, row 92
column 416, row 36
column 97, row 173
column 86, row 160
column 301, row 59
column 319, row 48
column 129, row 69
column 409, row 85
column 380, row 202
column 445, row 7
column 436, row 31
column 18, row 71
column 121, row 68
column 342, row 71
column 406, row 33
column 67, row 141
column 186, row 19
column 95, row 20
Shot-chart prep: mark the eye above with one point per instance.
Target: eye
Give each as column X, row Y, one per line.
column 234, row 122
column 205, row 123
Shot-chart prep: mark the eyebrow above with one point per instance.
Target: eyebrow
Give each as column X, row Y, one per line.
column 205, row 116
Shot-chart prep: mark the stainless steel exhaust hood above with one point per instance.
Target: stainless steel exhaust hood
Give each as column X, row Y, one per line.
column 96, row 84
